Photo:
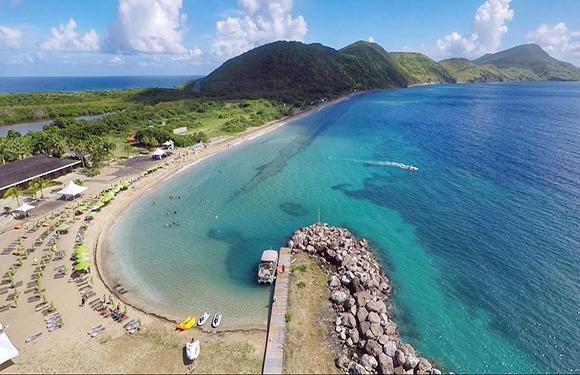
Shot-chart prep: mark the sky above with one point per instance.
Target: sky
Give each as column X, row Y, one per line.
column 193, row 37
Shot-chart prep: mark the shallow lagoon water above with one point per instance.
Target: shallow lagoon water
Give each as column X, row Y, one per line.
column 481, row 242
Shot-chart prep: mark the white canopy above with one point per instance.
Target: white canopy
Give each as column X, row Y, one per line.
column 72, row 189
column 270, row 256
column 24, row 208
column 158, row 152
column 7, row 350
column 168, row 143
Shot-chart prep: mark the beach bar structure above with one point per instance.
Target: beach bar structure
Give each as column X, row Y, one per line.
column 158, row 154
column 21, row 172
column 7, row 350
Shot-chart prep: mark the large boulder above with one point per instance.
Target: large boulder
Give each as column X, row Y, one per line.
column 357, row 369
column 390, row 348
column 377, row 330
column 368, row 362
column 373, row 348
column 354, row 335
column 399, row 358
column 338, row 297
column 376, row 306
column 364, row 327
column 423, row 367
column 410, row 362
column 362, row 314
column 408, row 349
column 348, row 320
column 390, row 328
column 334, row 282
column 374, row 318
column 385, row 364
column 363, row 297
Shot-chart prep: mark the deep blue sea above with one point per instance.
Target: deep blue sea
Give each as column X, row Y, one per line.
column 34, row 84
column 482, row 243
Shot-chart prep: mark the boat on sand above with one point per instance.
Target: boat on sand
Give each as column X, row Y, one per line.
column 186, row 323
column 192, row 349
column 217, row 319
column 203, row 319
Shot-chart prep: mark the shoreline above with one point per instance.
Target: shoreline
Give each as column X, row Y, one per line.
column 107, row 221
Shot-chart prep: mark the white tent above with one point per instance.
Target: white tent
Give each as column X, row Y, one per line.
column 24, row 208
column 72, row 190
column 158, row 154
column 7, row 350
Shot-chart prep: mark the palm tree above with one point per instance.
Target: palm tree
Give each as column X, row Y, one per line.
column 128, row 148
column 39, row 183
column 13, row 192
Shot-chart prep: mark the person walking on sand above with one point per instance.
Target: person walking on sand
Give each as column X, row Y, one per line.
column 283, row 268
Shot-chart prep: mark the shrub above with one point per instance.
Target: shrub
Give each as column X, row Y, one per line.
column 287, row 318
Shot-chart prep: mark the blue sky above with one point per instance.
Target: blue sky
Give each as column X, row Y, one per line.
column 193, row 37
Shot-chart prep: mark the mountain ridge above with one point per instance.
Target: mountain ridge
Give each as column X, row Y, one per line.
column 301, row 74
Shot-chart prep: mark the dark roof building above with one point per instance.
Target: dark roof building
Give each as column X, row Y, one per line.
column 19, row 173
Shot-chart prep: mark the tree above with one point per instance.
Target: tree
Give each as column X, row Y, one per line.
column 39, row 183
column 145, row 140
column 79, row 182
column 13, row 192
column 128, row 148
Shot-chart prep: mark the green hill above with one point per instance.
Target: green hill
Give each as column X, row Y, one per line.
column 299, row 73
column 421, row 69
column 464, row 70
column 533, row 58
column 302, row 74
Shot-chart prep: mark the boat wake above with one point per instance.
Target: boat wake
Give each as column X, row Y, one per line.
column 381, row 163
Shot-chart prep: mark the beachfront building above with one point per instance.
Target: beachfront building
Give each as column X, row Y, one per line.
column 21, row 172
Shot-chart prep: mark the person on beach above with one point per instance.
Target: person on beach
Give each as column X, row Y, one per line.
column 283, row 268
column 83, row 301
column 274, row 299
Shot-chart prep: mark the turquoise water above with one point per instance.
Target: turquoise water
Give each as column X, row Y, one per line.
column 481, row 242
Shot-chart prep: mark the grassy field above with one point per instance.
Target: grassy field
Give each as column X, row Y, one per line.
column 307, row 348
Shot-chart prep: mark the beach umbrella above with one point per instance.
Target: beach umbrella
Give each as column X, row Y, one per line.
column 90, row 215
column 84, row 257
column 81, row 249
column 64, row 226
column 82, row 266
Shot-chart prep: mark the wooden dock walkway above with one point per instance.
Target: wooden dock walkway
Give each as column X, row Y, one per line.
column 276, row 336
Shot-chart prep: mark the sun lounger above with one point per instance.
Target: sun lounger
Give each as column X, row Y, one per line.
column 59, row 276
column 5, row 307
column 123, row 318
column 40, row 305
column 90, row 295
column 33, row 298
column 4, row 290
column 52, row 316
column 94, row 301
column 17, row 284
column 94, row 329
column 83, row 283
column 54, row 328
column 85, row 289
column 33, row 337
column 98, row 332
column 4, row 282
column 47, row 311
column 130, row 322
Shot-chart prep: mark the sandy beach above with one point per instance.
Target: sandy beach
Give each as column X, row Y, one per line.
column 157, row 347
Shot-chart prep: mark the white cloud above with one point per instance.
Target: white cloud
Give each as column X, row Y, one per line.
column 264, row 21
column 10, row 37
column 371, row 39
column 116, row 61
column 66, row 39
column 149, row 26
column 487, row 30
column 558, row 41
column 192, row 54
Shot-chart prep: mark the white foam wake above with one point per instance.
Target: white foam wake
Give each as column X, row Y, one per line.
column 377, row 162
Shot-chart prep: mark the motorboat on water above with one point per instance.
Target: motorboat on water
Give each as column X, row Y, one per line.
column 412, row 168
column 202, row 319
column 192, row 349
column 217, row 319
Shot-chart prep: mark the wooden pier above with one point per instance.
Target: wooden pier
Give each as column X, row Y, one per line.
column 276, row 336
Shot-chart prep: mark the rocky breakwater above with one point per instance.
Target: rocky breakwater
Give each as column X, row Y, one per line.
column 359, row 290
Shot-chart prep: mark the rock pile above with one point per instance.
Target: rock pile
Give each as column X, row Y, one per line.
column 369, row 337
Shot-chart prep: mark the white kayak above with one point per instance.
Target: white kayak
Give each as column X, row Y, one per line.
column 217, row 319
column 202, row 319
column 192, row 349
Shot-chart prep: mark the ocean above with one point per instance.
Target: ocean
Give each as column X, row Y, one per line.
column 35, row 84
column 482, row 242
